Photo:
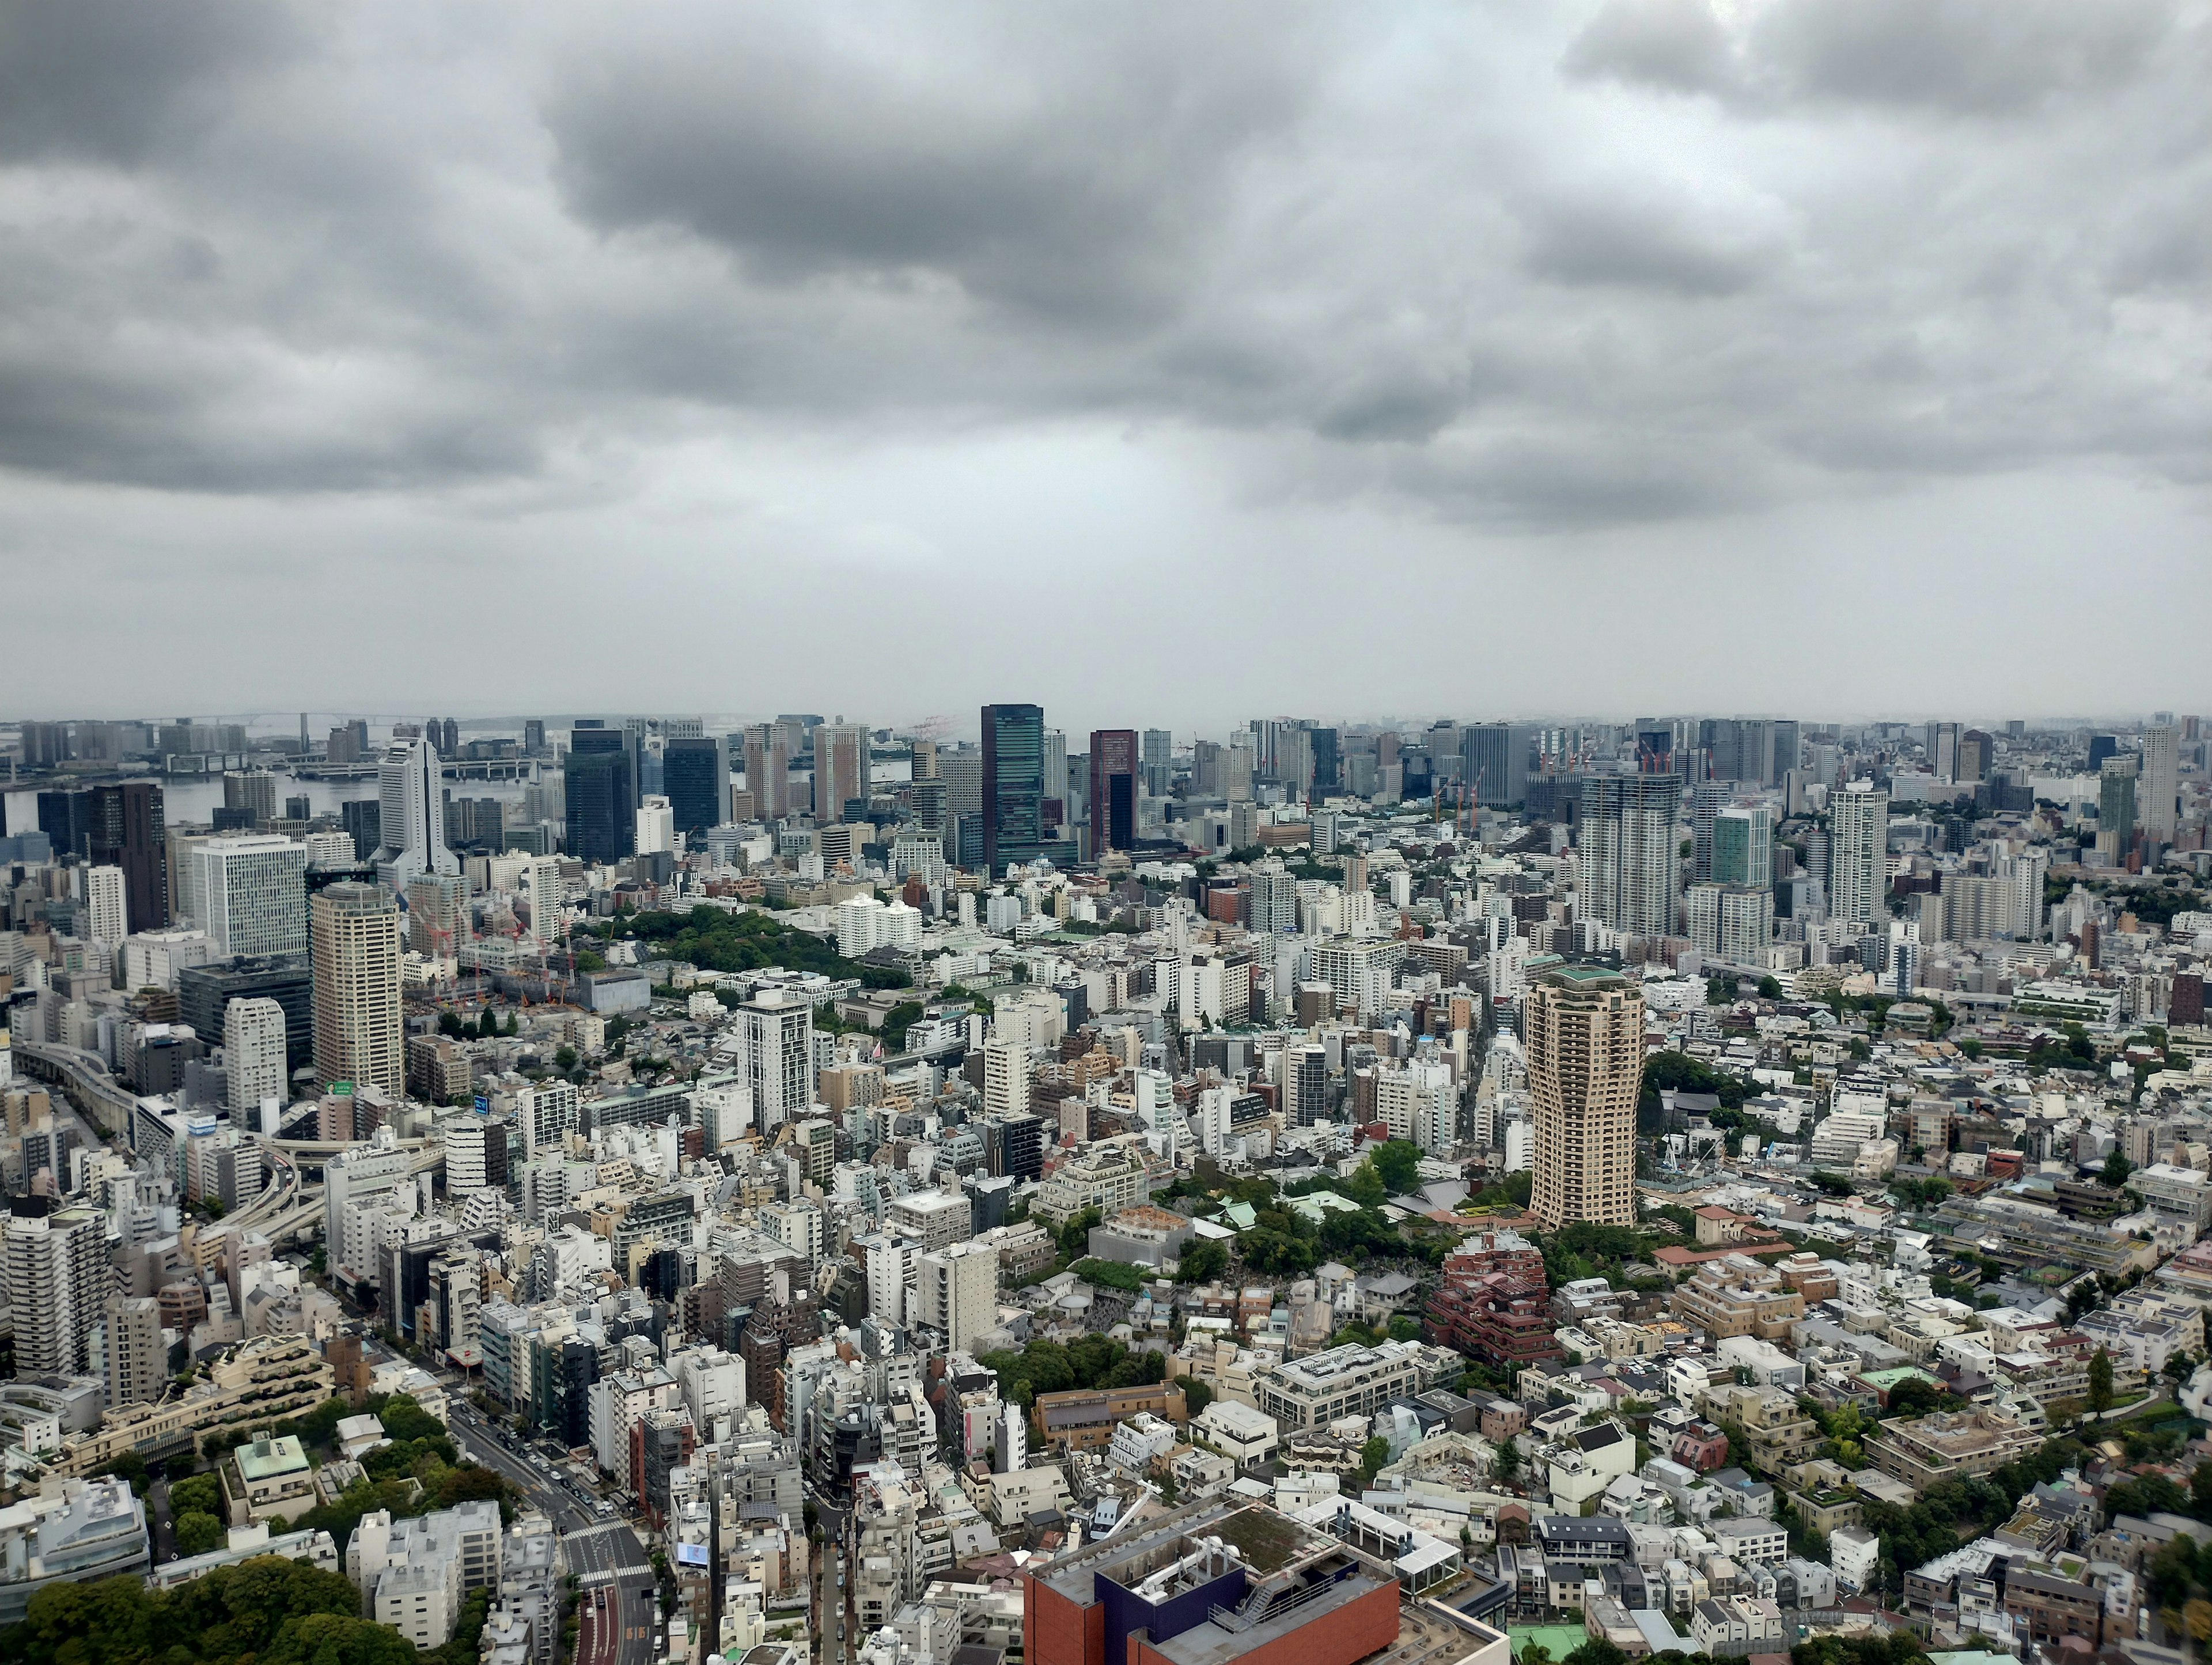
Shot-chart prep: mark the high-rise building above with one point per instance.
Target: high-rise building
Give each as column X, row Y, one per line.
column 359, row 1031
column 601, row 802
column 253, row 1058
column 1322, row 742
column 1977, row 753
column 128, row 831
column 1159, row 761
column 1743, row 846
column 1732, row 923
column 58, row 1282
column 137, row 1362
column 955, row 1292
column 205, row 994
column 2116, row 797
column 1627, row 857
column 1858, row 852
column 768, row 769
column 1014, row 784
column 1941, row 744
column 437, row 915
column 412, row 814
column 1113, row 790
column 547, row 893
column 1582, row 1031
column 694, row 773
column 252, row 793
column 1494, row 763
column 2161, row 785
column 65, row 818
column 107, row 912
column 252, row 893
column 1707, row 800
column 843, row 771
column 775, row 1038
column 656, row 826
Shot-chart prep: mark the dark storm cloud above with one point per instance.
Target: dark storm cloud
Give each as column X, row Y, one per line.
column 1626, row 261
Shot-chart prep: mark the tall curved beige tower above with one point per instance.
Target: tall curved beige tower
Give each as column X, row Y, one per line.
column 1582, row 1031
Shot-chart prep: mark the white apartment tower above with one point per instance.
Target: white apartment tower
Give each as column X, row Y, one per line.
column 106, row 904
column 775, row 1031
column 412, row 803
column 656, row 826
column 58, row 1282
column 955, row 1292
column 359, row 1035
column 1627, row 864
column 842, row 771
column 2161, row 784
column 253, row 1058
column 1858, row 852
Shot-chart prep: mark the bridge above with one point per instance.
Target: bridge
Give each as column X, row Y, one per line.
column 99, row 1095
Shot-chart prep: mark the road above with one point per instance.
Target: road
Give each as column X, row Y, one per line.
column 831, row 1622
column 618, row 1614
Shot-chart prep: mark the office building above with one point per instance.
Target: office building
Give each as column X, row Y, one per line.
column 65, row 818
column 137, row 1358
column 437, row 915
column 1707, row 800
column 1941, row 745
column 204, row 994
column 106, row 908
column 1743, row 846
column 2116, row 798
column 547, row 894
column 768, row 769
column 842, row 776
column 695, row 774
column 253, row 1058
column 1113, row 792
column 602, row 801
column 656, row 826
column 250, row 794
column 58, row 1282
column 776, row 1033
column 1159, row 760
column 1626, row 861
column 2161, row 784
column 1494, row 763
column 128, row 830
column 412, row 814
column 250, row 891
column 359, row 1033
column 1014, row 784
column 1583, row 1032
column 1858, row 853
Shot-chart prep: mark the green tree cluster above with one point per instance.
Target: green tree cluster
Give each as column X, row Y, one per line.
column 1933, row 1525
column 266, row 1611
column 719, row 941
column 1091, row 1361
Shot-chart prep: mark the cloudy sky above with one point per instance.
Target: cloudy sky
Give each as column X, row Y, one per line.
column 1163, row 364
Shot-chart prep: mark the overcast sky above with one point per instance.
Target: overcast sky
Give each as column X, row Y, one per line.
column 1163, row 364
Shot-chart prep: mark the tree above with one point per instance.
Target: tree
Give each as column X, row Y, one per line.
column 1509, row 1458
column 1202, row 1261
column 2100, row 1382
column 197, row 1532
column 1197, row 1395
column 487, row 1024
column 2117, row 1168
column 1373, row 1456
column 1397, row 1164
column 1769, row 990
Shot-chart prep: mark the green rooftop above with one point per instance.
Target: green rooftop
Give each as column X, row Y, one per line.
column 264, row 1459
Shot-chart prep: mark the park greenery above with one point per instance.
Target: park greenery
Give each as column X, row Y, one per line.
column 1088, row 1361
column 264, row 1611
column 716, row 940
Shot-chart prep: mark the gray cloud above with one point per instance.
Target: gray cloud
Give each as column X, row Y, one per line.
column 1610, row 264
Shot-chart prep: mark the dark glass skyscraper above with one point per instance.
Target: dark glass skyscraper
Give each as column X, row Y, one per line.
column 1113, row 790
column 1014, row 784
column 694, row 773
column 130, row 832
column 1325, row 779
column 602, row 800
column 65, row 818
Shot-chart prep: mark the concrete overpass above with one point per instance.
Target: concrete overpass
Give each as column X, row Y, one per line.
column 99, row 1095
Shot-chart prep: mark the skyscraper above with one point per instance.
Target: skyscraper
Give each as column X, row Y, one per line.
column 106, row 912
column 1743, row 846
column 843, row 771
column 695, row 772
column 251, row 892
column 65, row 818
column 137, row 1363
column 776, row 1033
column 253, row 1058
column 412, row 814
column 1014, row 784
column 1707, row 800
column 1323, row 742
column 58, row 1282
column 2162, row 787
column 1159, row 761
column 128, row 830
column 768, row 769
column 1625, row 852
column 1113, row 790
column 1858, row 852
column 2116, row 804
column 1582, row 1030
column 656, row 826
column 602, row 804
column 1941, row 744
column 359, row 1031
column 1494, row 762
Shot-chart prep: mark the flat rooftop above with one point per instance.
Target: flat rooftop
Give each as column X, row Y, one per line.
column 1266, row 1540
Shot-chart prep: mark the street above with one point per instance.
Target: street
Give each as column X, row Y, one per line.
column 829, row 1602
column 542, row 1491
